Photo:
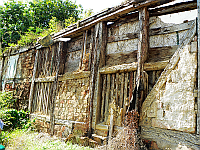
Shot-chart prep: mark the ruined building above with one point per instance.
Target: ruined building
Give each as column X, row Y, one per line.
column 122, row 58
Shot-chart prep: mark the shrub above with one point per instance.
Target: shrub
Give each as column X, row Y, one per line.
column 14, row 119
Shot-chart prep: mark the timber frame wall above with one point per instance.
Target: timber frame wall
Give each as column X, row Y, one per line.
column 84, row 54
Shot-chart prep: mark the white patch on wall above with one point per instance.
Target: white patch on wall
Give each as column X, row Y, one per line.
column 12, row 67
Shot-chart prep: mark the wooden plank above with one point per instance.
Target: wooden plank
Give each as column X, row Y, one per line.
column 130, row 86
column 169, row 136
column 107, row 97
column 111, row 127
column 93, row 77
column 198, row 70
column 125, row 94
column 103, row 98
column 117, row 89
column 91, row 48
column 112, row 93
column 82, row 51
column 133, row 67
column 66, row 76
column 33, row 82
column 55, row 85
column 104, row 31
column 143, row 44
column 121, row 91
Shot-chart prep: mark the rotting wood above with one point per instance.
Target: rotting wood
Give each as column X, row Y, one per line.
column 103, row 98
column 108, row 11
column 111, row 126
column 130, row 86
column 112, row 93
column 110, row 16
column 54, row 91
column 125, row 94
column 121, row 91
column 133, row 67
column 82, row 51
column 173, row 137
column 170, row 66
column 91, row 48
column 102, row 61
column 117, row 89
column 107, row 97
column 143, row 44
column 175, row 8
column 33, row 81
column 93, row 79
column 101, row 51
column 66, row 76
column 198, row 70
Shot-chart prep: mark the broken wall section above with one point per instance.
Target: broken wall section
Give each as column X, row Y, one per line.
column 174, row 104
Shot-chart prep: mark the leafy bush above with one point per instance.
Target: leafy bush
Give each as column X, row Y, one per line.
column 14, row 119
column 6, row 100
column 4, row 138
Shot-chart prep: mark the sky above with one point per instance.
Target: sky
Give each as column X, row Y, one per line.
column 97, row 6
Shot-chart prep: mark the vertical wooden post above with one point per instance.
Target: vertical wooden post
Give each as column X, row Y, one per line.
column 93, row 79
column 33, row 82
column 1, row 70
column 198, row 98
column 101, row 51
column 54, row 90
column 143, row 46
column 98, row 62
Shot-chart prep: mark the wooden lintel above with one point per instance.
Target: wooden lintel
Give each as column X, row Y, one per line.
column 133, row 67
column 67, row 76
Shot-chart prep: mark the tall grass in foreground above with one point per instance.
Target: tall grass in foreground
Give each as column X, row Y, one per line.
column 29, row 140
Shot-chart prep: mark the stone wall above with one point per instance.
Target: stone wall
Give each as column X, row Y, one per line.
column 20, row 84
column 72, row 100
column 174, row 105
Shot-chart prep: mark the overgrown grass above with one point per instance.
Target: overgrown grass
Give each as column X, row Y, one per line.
column 29, row 140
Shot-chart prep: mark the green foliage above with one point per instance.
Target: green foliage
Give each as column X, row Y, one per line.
column 6, row 100
column 19, row 19
column 14, row 119
column 4, row 138
column 87, row 13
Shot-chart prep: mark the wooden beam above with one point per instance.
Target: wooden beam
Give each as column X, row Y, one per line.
column 173, row 137
column 110, row 16
column 66, row 76
column 101, row 61
column 143, row 43
column 198, row 70
column 175, row 8
column 133, row 67
column 54, row 91
column 94, row 71
column 33, row 82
